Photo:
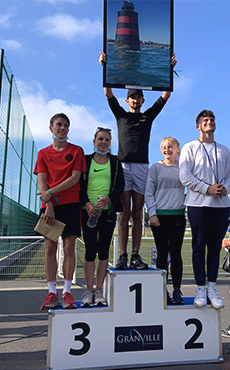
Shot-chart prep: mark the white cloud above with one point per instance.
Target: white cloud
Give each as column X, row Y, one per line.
column 183, row 84
column 39, row 108
column 66, row 27
column 11, row 45
column 5, row 20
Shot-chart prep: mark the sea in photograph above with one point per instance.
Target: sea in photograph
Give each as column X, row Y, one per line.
column 148, row 67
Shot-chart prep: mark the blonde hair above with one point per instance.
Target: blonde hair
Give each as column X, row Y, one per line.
column 171, row 140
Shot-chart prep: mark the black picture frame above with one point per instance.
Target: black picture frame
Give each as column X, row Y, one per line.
column 143, row 64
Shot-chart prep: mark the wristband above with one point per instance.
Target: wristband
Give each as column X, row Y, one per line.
column 52, row 195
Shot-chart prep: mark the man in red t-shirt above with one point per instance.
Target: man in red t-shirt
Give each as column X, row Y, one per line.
column 58, row 169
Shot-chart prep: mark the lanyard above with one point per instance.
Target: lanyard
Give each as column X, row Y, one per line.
column 215, row 174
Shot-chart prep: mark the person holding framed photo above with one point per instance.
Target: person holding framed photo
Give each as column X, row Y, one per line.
column 134, row 130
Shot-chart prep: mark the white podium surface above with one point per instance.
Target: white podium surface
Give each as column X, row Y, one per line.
column 136, row 329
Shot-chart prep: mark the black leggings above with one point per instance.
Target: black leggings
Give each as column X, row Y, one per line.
column 98, row 239
column 169, row 239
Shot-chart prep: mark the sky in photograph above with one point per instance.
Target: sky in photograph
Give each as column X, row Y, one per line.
column 153, row 19
column 52, row 47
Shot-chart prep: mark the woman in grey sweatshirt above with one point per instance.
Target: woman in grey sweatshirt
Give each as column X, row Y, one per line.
column 164, row 197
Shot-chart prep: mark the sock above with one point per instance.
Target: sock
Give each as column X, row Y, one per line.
column 124, row 254
column 135, row 254
column 67, row 286
column 211, row 285
column 202, row 287
column 52, row 287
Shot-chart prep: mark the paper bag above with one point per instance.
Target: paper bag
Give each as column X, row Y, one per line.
column 49, row 231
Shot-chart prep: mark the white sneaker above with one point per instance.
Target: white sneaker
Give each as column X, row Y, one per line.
column 87, row 298
column 215, row 299
column 201, row 297
column 99, row 300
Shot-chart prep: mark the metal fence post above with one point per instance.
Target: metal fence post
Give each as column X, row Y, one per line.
column 1, row 69
column 31, row 176
column 1, row 76
column 21, row 159
column 7, row 133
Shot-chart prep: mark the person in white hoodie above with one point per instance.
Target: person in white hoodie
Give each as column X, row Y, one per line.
column 205, row 171
column 164, row 197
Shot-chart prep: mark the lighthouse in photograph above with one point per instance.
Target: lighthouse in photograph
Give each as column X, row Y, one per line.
column 127, row 33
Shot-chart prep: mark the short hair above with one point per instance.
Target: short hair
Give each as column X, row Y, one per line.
column 171, row 140
column 204, row 113
column 59, row 115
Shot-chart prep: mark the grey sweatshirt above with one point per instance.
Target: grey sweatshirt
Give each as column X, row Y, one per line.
column 164, row 190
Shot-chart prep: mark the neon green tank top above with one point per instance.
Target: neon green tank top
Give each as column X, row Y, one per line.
column 99, row 181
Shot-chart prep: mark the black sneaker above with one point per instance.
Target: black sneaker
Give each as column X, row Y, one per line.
column 177, row 296
column 137, row 263
column 121, row 263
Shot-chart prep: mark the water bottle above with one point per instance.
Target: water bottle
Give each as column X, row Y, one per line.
column 92, row 221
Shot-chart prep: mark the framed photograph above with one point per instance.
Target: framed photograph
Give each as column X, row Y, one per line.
column 138, row 42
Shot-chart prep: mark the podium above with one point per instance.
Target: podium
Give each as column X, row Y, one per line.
column 136, row 329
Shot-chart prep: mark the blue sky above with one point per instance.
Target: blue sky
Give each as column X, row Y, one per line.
column 53, row 46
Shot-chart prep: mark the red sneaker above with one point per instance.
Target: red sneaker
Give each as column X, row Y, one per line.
column 68, row 301
column 50, row 301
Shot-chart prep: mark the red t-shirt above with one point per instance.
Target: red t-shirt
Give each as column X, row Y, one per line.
column 58, row 167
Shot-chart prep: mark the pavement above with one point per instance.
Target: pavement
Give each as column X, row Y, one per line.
column 23, row 328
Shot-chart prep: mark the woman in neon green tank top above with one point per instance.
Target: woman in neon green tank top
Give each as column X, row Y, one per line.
column 103, row 179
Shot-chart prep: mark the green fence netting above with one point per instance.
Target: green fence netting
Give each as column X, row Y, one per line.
column 19, row 205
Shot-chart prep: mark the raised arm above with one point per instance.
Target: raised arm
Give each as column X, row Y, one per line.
column 166, row 94
column 107, row 90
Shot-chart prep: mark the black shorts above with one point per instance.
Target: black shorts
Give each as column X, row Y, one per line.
column 70, row 215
